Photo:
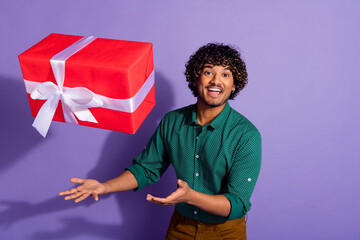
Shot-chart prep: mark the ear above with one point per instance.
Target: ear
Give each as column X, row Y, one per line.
column 194, row 83
column 233, row 88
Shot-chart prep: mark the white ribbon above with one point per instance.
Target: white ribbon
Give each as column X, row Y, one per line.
column 78, row 100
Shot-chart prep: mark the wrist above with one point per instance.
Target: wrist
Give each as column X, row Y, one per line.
column 190, row 197
column 105, row 187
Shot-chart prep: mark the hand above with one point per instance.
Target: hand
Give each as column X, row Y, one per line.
column 182, row 194
column 88, row 187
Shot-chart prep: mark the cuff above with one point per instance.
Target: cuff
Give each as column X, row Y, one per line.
column 237, row 207
column 139, row 174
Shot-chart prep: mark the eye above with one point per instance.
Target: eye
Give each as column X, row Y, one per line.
column 208, row 73
column 226, row 75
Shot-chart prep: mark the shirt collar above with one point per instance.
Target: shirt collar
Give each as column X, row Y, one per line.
column 218, row 121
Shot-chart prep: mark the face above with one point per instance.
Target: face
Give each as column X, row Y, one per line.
column 214, row 85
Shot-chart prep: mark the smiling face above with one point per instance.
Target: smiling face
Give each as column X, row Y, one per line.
column 214, row 85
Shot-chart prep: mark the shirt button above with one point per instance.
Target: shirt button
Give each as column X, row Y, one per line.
column 197, row 137
column 197, row 156
column 249, row 179
column 197, row 174
column 195, row 212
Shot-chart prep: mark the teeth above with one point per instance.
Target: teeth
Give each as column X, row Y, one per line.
column 214, row 89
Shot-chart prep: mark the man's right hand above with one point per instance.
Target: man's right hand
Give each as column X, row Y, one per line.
column 88, row 187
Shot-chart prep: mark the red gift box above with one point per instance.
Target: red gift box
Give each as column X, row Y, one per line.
column 101, row 83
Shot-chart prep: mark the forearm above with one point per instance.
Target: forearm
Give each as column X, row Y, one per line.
column 214, row 204
column 126, row 181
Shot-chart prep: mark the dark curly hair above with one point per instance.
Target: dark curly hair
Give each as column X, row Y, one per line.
column 221, row 55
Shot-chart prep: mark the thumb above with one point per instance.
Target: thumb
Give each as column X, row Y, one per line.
column 181, row 183
column 77, row 180
column 95, row 196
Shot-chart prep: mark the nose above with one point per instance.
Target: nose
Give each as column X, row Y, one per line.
column 215, row 79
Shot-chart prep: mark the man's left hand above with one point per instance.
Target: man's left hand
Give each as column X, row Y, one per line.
column 182, row 194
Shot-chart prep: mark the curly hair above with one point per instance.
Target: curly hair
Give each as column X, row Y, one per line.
column 221, row 55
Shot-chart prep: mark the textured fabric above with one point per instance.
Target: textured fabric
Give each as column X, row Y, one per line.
column 222, row 157
column 182, row 228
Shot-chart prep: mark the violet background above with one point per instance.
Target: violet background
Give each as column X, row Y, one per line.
column 303, row 95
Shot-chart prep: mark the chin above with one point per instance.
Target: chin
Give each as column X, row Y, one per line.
column 214, row 104
column 211, row 101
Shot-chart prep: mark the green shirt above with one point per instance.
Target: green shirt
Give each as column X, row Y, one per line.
column 222, row 157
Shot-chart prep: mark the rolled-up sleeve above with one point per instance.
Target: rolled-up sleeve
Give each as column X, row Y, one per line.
column 152, row 162
column 243, row 175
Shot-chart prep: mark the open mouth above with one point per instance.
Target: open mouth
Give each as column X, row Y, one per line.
column 214, row 91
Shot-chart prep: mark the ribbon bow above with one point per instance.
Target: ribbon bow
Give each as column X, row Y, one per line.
column 75, row 101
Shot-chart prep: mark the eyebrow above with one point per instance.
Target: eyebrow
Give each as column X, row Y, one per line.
column 211, row 66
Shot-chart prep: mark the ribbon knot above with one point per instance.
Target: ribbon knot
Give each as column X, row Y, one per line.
column 75, row 101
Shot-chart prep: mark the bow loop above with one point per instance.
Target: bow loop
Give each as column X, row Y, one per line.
column 44, row 91
column 81, row 98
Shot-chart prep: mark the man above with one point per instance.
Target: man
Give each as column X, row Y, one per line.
column 215, row 151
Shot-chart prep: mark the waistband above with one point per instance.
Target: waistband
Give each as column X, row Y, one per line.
column 193, row 222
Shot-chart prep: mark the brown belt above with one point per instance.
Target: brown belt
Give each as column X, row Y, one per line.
column 193, row 222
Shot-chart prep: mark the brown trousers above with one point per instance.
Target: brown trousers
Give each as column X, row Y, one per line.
column 182, row 228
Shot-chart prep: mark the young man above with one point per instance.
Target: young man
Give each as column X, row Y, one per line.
column 215, row 151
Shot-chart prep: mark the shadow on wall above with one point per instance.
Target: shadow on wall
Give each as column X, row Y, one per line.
column 141, row 218
column 17, row 135
column 137, row 213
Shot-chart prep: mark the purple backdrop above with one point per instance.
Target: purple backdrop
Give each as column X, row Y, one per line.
column 302, row 60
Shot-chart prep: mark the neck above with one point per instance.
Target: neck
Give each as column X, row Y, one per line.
column 205, row 114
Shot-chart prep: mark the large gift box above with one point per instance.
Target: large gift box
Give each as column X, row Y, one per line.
column 98, row 82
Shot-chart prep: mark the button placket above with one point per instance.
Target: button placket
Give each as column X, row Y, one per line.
column 198, row 131
column 197, row 158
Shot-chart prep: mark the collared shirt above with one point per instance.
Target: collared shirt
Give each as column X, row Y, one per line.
column 222, row 157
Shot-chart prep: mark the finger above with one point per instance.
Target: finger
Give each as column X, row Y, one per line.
column 82, row 197
column 77, row 180
column 159, row 203
column 172, row 199
column 169, row 199
column 152, row 199
column 67, row 192
column 95, row 196
column 159, row 200
column 149, row 197
column 75, row 195
column 162, row 201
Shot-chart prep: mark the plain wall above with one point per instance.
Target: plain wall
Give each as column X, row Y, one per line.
column 303, row 96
